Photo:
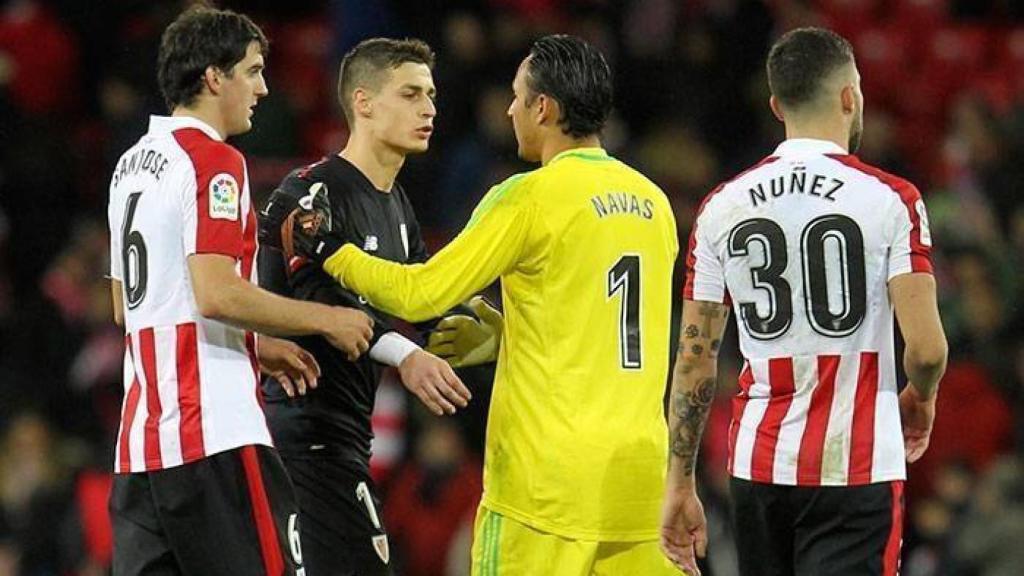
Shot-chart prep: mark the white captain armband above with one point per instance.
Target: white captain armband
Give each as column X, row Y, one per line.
column 392, row 348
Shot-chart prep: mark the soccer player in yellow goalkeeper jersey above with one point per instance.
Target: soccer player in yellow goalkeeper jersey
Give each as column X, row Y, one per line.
column 584, row 246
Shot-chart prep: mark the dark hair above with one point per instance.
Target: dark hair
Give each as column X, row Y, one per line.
column 801, row 60
column 201, row 37
column 363, row 64
column 576, row 75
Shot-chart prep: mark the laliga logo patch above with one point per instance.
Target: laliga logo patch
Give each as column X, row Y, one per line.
column 224, row 197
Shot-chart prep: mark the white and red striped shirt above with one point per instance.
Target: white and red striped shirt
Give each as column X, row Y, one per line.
column 191, row 383
column 803, row 244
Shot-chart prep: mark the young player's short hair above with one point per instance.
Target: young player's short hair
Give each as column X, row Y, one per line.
column 365, row 64
column 199, row 38
column 576, row 75
column 802, row 60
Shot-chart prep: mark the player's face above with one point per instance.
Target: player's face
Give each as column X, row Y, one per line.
column 403, row 110
column 522, row 120
column 857, row 123
column 241, row 90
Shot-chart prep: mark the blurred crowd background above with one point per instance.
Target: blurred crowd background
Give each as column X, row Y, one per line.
column 944, row 85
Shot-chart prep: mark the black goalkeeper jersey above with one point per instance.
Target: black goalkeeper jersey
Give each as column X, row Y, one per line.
column 335, row 417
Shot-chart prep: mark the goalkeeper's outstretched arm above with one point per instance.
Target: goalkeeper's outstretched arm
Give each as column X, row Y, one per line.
column 496, row 240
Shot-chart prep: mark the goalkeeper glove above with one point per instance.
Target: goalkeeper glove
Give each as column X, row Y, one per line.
column 466, row 341
column 300, row 226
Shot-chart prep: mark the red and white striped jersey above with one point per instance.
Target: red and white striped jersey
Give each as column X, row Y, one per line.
column 803, row 244
column 191, row 384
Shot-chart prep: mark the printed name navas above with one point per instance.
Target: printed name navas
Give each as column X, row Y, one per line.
column 622, row 203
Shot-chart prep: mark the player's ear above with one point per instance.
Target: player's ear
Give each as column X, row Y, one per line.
column 361, row 103
column 848, row 99
column 212, row 79
column 547, row 108
column 773, row 103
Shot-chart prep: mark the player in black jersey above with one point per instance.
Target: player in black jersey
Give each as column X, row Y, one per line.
column 386, row 91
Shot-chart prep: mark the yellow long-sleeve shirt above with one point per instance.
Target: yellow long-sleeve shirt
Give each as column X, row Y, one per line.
column 584, row 246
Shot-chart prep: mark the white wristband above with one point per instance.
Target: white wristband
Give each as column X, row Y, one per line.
column 392, row 348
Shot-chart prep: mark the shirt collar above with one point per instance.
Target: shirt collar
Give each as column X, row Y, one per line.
column 593, row 153
column 167, row 124
column 807, row 146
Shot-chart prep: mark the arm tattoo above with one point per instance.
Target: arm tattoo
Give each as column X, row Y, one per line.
column 694, row 383
column 709, row 312
column 685, row 365
column 691, row 409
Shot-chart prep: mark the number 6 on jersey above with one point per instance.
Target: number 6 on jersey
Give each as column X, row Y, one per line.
column 133, row 251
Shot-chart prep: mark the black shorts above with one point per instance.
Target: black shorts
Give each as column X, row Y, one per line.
column 819, row 531
column 342, row 527
column 230, row 514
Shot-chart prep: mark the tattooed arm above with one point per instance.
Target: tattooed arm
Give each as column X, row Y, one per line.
column 694, row 383
column 683, row 526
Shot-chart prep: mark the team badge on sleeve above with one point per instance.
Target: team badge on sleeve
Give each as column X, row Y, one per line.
column 224, row 197
column 380, row 545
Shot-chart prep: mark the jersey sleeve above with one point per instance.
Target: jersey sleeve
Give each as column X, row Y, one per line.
column 326, row 291
column 296, row 186
column 491, row 244
column 212, row 201
column 911, row 242
column 705, row 272
column 271, row 273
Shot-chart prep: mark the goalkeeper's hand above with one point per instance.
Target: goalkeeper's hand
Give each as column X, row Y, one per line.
column 300, row 226
column 466, row 341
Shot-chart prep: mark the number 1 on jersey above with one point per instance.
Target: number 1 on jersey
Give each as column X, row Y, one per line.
column 624, row 277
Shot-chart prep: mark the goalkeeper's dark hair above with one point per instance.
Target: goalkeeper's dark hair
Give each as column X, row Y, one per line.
column 574, row 74
column 802, row 60
column 199, row 38
column 365, row 64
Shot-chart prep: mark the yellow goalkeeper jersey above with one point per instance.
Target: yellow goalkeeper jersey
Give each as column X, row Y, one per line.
column 584, row 246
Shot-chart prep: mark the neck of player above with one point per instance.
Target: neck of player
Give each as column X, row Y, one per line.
column 557, row 144
column 377, row 161
column 818, row 129
column 207, row 114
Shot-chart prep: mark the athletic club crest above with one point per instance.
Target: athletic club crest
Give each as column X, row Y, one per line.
column 380, row 544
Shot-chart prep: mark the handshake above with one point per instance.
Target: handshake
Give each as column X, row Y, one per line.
column 302, row 227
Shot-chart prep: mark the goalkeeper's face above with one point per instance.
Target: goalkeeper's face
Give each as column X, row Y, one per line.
column 522, row 111
column 402, row 111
